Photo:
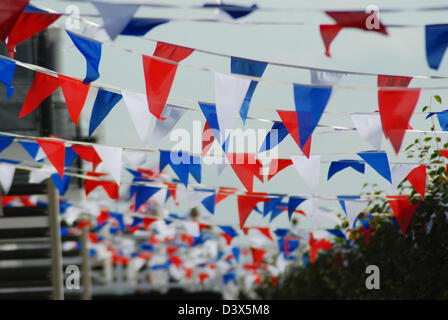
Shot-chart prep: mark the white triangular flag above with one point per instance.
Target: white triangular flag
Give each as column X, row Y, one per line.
column 369, row 127
column 136, row 158
column 353, row 209
column 96, row 32
column 309, row 169
column 192, row 228
column 138, row 109
column 115, row 16
column 326, row 77
column 111, row 157
column 37, row 175
column 162, row 128
column 6, row 176
column 230, row 92
column 399, row 171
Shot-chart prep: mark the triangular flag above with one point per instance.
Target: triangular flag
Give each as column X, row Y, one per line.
column 417, row 178
column 403, row 210
column 266, row 232
column 230, row 92
column 91, row 50
column 328, row 33
column 207, row 139
column 257, row 255
column 234, row 11
column 111, row 188
column 43, row 86
column 293, row 203
column 247, row 203
column 141, row 26
column 209, row 111
column 378, row 161
column 137, row 105
column 276, row 135
column 245, row 167
column 209, row 203
column 75, row 94
column 115, row 16
column 5, row 142
column 6, row 176
column 369, row 127
column 396, row 108
column 349, row 19
column 353, row 209
column 278, row 165
column 310, row 104
column 289, row 119
column 61, row 184
column 10, row 11
column 104, row 102
column 28, row 24
column 143, row 193
column 436, row 37
column 399, row 171
column 88, row 154
column 7, row 69
column 162, row 128
column 309, row 169
column 111, row 157
column 248, row 68
column 195, row 168
column 326, row 77
column 337, row 166
column 223, row 193
column 55, row 151
column 178, row 161
column 159, row 75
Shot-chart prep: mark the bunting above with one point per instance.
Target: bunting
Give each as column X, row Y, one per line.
column 105, row 101
column 7, row 69
column 403, row 210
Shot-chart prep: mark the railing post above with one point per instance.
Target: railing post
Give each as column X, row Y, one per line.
column 55, row 241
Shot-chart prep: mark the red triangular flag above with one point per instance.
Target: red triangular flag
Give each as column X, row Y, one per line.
column 246, row 167
column 289, row 119
column 172, row 189
column 417, row 178
column 88, row 154
column 227, row 238
column 257, row 255
column 328, row 33
column 355, row 19
column 10, row 11
column 403, row 210
column 75, row 94
column 247, row 203
column 278, row 165
column 55, row 152
column 396, row 107
column 147, row 222
column 110, row 187
column 207, row 139
column 444, row 153
column 103, row 217
column 28, row 24
column 176, row 260
column 43, row 86
column 223, row 193
column 266, row 232
column 202, row 277
column 159, row 75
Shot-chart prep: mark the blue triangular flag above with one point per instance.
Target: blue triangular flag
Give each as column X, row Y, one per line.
column 70, row 156
column 91, row 50
column 442, row 117
column 7, row 69
column 209, row 111
column 275, row 213
column 209, row 203
column 310, row 105
column 338, row 233
column 140, row 26
column 31, row 147
column 378, row 161
column 61, row 184
column 276, row 135
column 235, row 11
column 229, row 276
column 248, row 68
column 195, row 168
column 119, row 218
column 236, row 253
column 178, row 161
column 281, row 232
column 5, row 142
column 143, row 193
column 271, row 205
column 337, row 166
column 436, row 36
column 293, row 203
column 104, row 102
column 228, row 230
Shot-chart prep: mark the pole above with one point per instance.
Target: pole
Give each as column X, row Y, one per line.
column 86, row 279
column 55, row 241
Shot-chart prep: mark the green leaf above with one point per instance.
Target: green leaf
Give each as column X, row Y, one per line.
column 425, row 108
column 438, row 99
